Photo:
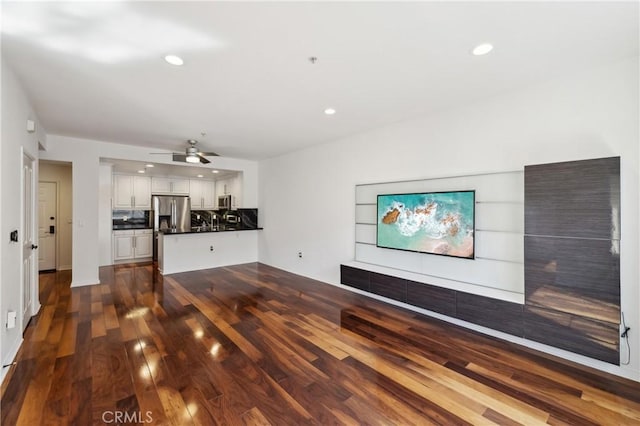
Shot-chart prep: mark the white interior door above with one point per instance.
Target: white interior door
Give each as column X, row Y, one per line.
column 28, row 243
column 47, row 225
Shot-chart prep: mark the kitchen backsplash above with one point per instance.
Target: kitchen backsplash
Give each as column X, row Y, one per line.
column 241, row 218
column 131, row 217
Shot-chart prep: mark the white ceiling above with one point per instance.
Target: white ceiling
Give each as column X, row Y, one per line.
column 96, row 70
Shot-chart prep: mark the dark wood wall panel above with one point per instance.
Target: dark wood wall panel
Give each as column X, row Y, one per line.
column 574, row 276
column 572, row 256
column 493, row 313
column 388, row 286
column 436, row 299
column 573, row 199
column 595, row 339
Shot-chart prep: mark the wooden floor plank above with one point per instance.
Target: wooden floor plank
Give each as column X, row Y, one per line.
column 251, row 344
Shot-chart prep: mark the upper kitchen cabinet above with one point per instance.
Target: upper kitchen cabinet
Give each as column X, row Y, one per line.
column 131, row 192
column 202, row 193
column 162, row 185
column 231, row 186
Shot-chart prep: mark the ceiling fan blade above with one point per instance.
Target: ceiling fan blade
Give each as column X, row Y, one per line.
column 209, row 154
column 203, row 160
column 180, row 157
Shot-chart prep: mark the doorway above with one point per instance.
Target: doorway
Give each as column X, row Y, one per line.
column 28, row 242
column 47, row 225
column 55, row 215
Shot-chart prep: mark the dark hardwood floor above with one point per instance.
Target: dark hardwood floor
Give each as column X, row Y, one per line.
column 251, row 344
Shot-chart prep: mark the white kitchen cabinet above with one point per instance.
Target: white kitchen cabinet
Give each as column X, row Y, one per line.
column 163, row 185
column 132, row 244
column 143, row 243
column 131, row 192
column 231, row 186
column 122, row 245
column 202, row 194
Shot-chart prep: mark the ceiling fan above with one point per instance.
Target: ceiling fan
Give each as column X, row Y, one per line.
column 191, row 155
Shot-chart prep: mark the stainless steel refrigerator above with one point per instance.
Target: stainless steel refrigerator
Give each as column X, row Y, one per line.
column 169, row 212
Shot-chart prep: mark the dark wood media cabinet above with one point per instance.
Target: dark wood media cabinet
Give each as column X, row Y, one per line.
column 508, row 317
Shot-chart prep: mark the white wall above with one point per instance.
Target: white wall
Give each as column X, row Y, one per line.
column 16, row 109
column 60, row 173
column 307, row 197
column 105, row 224
column 85, row 157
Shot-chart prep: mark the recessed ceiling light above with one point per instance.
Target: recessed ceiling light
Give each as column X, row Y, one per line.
column 215, row 171
column 149, row 165
column 140, row 171
column 329, row 111
column 174, row 60
column 200, row 176
column 482, row 49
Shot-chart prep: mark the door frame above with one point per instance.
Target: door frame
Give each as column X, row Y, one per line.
column 34, row 290
column 56, row 241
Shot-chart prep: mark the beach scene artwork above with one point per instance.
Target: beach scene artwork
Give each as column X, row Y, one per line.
column 434, row 222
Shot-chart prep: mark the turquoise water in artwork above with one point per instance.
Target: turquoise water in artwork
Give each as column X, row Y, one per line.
column 437, row 222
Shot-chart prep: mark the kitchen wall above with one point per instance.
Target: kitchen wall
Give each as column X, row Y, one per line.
column 16, row 110
column 590, row 114
column 61, row 174
column 90, row 190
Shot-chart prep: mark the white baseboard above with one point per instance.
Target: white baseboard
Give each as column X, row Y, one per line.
column 83, row 283
column 8, row 359
column 64, row 267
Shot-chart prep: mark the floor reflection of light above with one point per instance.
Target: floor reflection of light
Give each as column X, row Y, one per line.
column 198, row 334
column 215, row 349
column 144, row 373
column 137, row 312
column 138, row 347
column 148, row 371
column 192, row 409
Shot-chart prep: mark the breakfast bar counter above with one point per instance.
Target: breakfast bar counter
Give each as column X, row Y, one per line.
column 182, row 251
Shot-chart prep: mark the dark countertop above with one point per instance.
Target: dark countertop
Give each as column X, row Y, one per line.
column 129, row 227
column 206, row 230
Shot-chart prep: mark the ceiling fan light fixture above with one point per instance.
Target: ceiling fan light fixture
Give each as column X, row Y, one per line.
column 192, row 158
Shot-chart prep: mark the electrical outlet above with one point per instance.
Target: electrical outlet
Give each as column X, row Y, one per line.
column 210, row 248
column 300, row 254
column 11, row 319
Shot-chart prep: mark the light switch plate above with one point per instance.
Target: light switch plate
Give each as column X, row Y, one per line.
column 11, row 319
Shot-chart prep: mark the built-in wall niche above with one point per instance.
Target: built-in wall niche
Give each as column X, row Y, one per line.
column 496, row 271
column 566, row 261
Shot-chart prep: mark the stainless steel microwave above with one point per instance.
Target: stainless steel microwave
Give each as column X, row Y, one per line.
column 224, row 202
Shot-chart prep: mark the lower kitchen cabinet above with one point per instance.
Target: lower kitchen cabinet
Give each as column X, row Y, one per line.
column 132, row 244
